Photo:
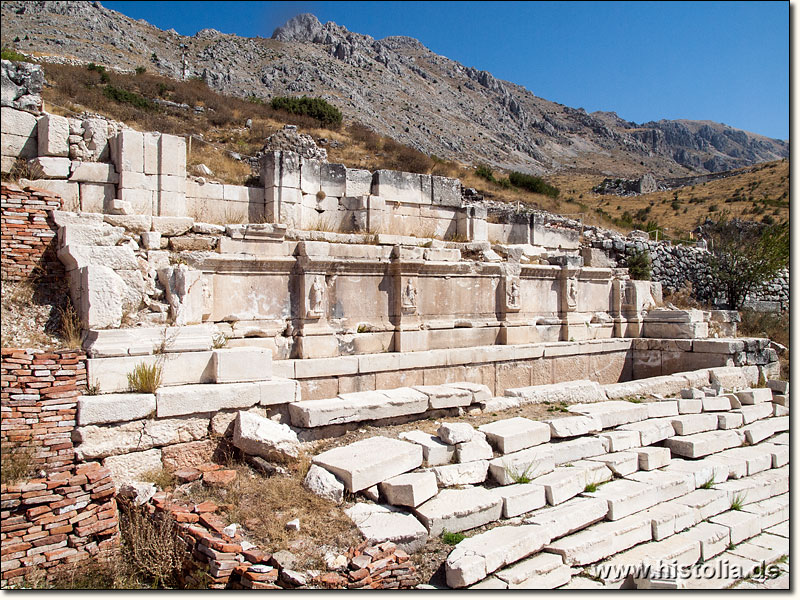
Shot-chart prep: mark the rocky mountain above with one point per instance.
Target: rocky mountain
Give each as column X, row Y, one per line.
column 395, row 86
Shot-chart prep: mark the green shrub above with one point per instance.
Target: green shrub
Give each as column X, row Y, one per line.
column 104, row 78
column 144, row 378
column 126, row 97
column 484, row 172
column 11, row 54
column 317, row 108
column 534, row 184
column 140, row 70
column 639, row 265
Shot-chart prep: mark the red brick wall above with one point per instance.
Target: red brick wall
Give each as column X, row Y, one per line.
column 38, row 396
column 28, row 234
column 64, row 518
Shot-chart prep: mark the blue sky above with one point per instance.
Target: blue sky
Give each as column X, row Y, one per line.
column 721, row 61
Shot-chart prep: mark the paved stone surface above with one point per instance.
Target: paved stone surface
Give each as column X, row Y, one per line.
column 459, row 510
column 516, row 433
column 367, row 462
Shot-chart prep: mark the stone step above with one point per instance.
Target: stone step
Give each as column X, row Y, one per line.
column 758, row 487
column 754, row 396
column 669, row 518
column 573, row 450
column 613, row 412
column 704, row 503
column 523, row 465
column 690, row 424
column 520, row 498
column 544, row 571
column 753, row 413
column 114, row 408
column 702, row 444
column 771, row 511
column 651, row 431
column 741, row 525
column 444, row 396
column 714, row 539
column 620, row 440
column 516, row 433
column 227, row 365
column 367, row 462
column 640, row 491
column 756, row 458
column 620, row 463
column 705, row 472
column 209, row 398
column 571, row 516
column 358, row 406
column 469, row 473
column 677, row 548
column 569, row 427
column 665, row 408
column 653, row 457
column 478, row 556
column 434, row 450
column 139, row 341
column 409, row 489
column 459, row 510
column 569, row 392
column 773, row 542
column 562, row 484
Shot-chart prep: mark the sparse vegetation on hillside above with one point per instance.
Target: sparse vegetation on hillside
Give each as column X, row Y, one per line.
column 11, row 54
column 316, row 108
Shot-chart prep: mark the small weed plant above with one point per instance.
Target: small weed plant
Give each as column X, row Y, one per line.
column 70, row 326
column 145, row 379
column 709, row 484
column 518, row 476
column 738, row 502
column 451, row 539
column 591, row 487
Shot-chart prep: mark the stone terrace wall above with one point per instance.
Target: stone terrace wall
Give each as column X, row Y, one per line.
column 51, row 522
column 27, row 239
column 39, row 392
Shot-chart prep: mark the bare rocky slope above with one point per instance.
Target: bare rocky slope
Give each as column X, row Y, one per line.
column 395, row 86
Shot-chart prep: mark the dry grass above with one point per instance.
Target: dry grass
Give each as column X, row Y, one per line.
column 265, row 504
column 774, row 326
column 224, row 168
column 17, row 462
column 145, row 379
column 70, row 326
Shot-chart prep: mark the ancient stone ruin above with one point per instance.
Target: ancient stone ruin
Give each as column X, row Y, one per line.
column 327, row 298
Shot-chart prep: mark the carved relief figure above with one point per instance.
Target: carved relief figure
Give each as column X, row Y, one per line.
column 572, row 292
column 315, row 296
column 409, row 299
column 512, row 292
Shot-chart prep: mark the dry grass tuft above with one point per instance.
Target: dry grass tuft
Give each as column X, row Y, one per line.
column 145, row 379
column 17, row 463
column 70, row 326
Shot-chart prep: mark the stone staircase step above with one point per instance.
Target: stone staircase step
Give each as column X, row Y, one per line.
column 781, row 529
column 702, row 444
column 757, row 459
column 562, row 484
column 714, row 539
column 613, row 413
column 520, row 498
column 570, row 427
column 459, row 510
column 780, row 454
column 568, row 392
column 620, row 463
column 742, row 525
column 571, row 516
column 478, row 556
column 653, row 457
column 771, row 511
column 753, row 413
column 651, row 431
column 211, row 397
column 624, row 497
column 516, row 433
column 690, row 424
column 665, row 408
column 773, row 542
column 620, row 440
column 677, row 548
column 757, row 553
column 434, row 450
column 757, row 487
column 114, row 408
column 443, row 396
column 380, row 523
column 469, row 473
column 544, row 571
column 528, row 463
column 358, row 406
column 669, row 518
column 573, row 450
column 596, row 472
column 703, row 471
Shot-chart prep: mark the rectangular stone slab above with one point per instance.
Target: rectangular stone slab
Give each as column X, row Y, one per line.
column 520, row 498
column 114, row 408
column 703, row 444
column 651, row 430
column 742, row 525
column 613, row 412
column 379, row 523
column 468, row 473
column 529, row 463
column 516, row 433
column 441, row 396
column 570, row 392
column 459, row 510
column 567, row 427
column 410, row 489
column 364, row 463
column 653, row 457
column 577, row 449
column 571, row 516
column 535, row 567
column 620, row 463
column 434, row 450
column 562, row 484
column 358, row 406
column 689, row 424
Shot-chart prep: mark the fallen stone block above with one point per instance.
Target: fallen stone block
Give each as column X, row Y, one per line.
column 410, row 489
column 651, row 431
column 132, row 466
column 572, row 450
column 443, row 396
column 516, row 433
column 364, row 463
column 753, row 413
column 759, row 431
column 703, row 444
column 613, row 412
column 736, row 465
column 652, row 458
column 665, row 408
column 754, row 396
column 716, row 403
column 741, row 525
column 114, row 408
column 206, row 398
column 689, row 393
column 566, row 427
column 624, row 497
column 469, row 473
column 498, row 404
column 525, row 464
column 714, row 539
column 619, row 440
column 476, row 557
column 570, row 517
column 569, row 392
column 358, row 406
column 779, row 409
column 602, row 540
column 779, row 454
column 704, row 503
column 562, row 484
column 689, row 424
column 620, row 463
column 729, row 378
column 475, row 449
column 455, row 433
column 380, row 523
column 323, row 483
column 434, row 451
column 544, row 571
column 263, row 437
column 520, row 498
column 459, row 510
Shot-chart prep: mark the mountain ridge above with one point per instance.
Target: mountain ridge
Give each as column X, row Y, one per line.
column 397, row 87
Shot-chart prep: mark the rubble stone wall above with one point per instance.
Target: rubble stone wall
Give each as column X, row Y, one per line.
column 27, row 234
column 39, row 394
